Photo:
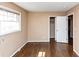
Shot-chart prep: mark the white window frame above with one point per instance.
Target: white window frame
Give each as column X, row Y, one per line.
column 12, row 10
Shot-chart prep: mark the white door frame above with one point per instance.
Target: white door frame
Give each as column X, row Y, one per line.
column 73, row 16
column 70, row 14
column 49, row 27
column 73, row 21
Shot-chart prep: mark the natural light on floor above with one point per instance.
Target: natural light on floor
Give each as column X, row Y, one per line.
column 41, row 54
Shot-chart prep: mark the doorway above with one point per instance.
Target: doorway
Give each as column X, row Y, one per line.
column 52, row 29
column 58, row 29
column 70, row 30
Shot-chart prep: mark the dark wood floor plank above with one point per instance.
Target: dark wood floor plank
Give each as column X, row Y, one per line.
column 46, row 49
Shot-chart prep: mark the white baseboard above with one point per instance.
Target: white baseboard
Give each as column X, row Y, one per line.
column 76, row 52
column 18, row 49
column 38, row 41
column 23, row 45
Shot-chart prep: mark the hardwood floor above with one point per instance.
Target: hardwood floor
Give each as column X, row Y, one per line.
column 45, row 49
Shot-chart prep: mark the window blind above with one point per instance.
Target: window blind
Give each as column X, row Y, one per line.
column 9, row 22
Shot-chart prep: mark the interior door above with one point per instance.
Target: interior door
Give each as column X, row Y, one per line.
column 61, row 29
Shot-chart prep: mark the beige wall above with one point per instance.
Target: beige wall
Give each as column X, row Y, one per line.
column 38, row 26
column 75, row 12
column 15, row 40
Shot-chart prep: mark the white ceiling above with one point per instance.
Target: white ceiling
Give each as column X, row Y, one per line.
column 46, row 6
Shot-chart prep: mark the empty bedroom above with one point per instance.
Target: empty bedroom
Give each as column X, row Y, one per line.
column 39, row 29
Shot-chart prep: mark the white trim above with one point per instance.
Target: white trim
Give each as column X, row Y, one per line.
column 72, row 13
column 76, row 52
column 38, row 41
column 49, row 27
column 18, row 49
column 20, row 21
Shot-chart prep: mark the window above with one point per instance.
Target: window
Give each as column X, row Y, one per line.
column 9, row 22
